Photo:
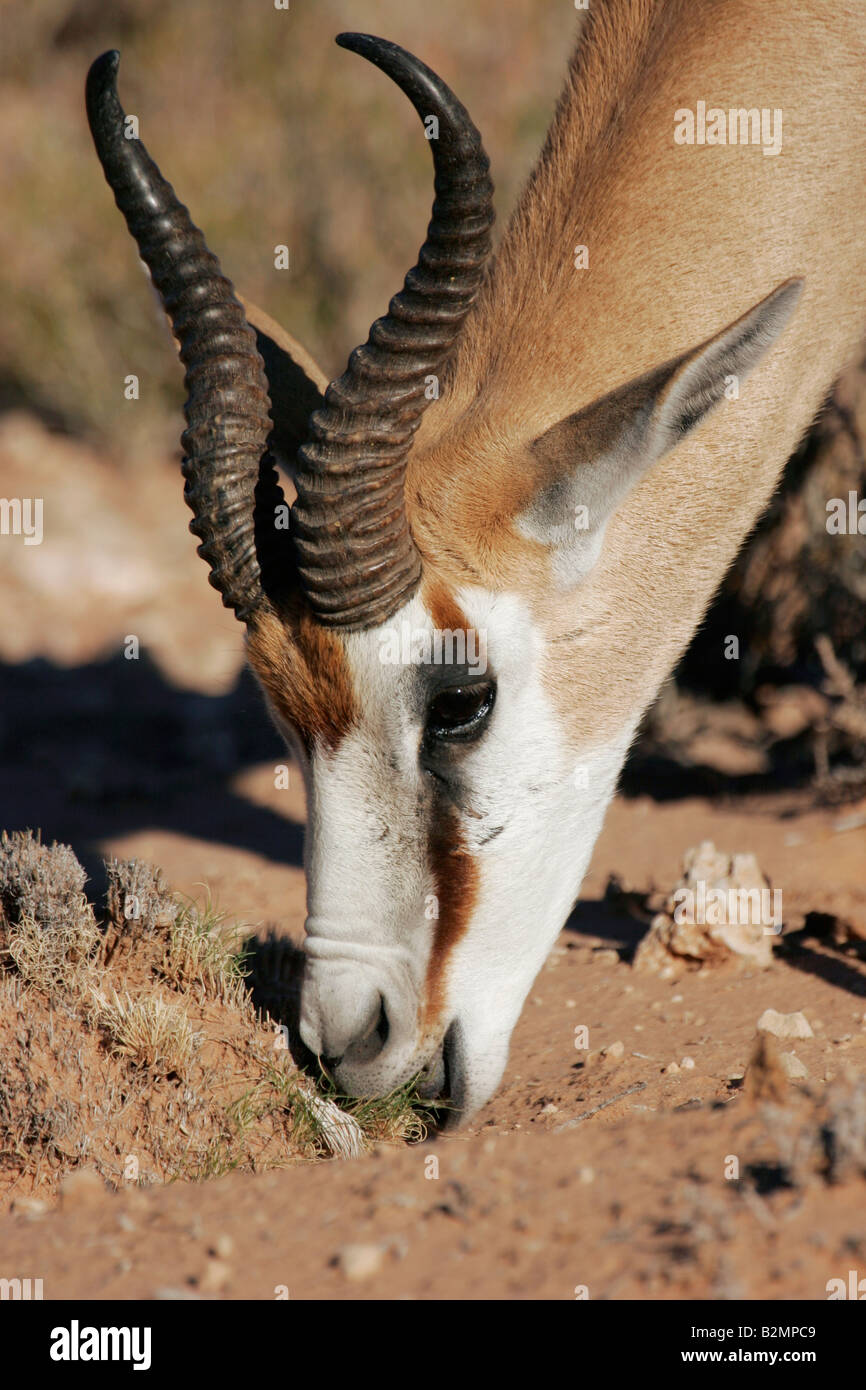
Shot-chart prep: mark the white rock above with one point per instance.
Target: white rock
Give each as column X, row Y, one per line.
column 359, row 1262
column 793, row 1067
column 784, row 1025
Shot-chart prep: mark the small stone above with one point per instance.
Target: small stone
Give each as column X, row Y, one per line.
column 687, row 1064
column 587, row 1175
column 784, row 1025
column 671, row 1070
column 359, row 1262
column 549, row 1109
column 614, row 1050
column 215, row 1276
column 33, row 1208
column 605, row 957
column 224, row 1247
column 793, row 1067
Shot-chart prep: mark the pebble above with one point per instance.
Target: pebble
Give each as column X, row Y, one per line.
column 687, row 1064
column 614, row 1050
column 33, row 1208
column 215, row 1276
column 784, row 1025
column 605, row 957
column 793, row 1067
column 359, row 1262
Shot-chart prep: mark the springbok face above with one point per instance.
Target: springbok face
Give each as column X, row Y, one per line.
column 448, row 832
column 406, row 636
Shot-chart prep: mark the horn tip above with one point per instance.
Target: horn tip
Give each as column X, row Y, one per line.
column 359, row 43
column 104, row 68
column 101, row 85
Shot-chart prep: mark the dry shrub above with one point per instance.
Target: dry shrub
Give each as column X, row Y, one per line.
column 47, row 927
column 133, row 1046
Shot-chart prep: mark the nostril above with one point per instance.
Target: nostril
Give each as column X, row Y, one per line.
column 367, row 1046
column 347, row 1030
column 383, row 1027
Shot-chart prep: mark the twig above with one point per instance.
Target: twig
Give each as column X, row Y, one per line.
column 570, row 1124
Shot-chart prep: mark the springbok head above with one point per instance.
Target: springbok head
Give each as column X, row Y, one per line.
column 399, row 611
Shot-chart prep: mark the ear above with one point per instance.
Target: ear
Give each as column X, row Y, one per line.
column 590, row 461
column 296, row 384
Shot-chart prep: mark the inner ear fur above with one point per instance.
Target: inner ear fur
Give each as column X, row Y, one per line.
column 588, row 462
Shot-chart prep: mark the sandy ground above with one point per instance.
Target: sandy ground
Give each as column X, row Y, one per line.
column 607, row 1175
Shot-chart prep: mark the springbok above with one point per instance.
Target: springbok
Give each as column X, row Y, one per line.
column 593, row 461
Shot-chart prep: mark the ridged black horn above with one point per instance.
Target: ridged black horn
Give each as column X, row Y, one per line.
column 356, row 558
column 231, row 483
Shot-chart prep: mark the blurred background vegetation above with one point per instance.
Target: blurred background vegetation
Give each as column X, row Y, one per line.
column 272, row 135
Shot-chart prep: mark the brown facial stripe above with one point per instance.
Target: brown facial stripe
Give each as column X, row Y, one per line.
column 445, row 611
column 303, row 669
column 457, row 878
column 455, row 872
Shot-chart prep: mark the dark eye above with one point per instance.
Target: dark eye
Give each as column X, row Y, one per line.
column 461, row 711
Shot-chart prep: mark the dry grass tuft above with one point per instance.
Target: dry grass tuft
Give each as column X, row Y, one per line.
column 204, row 953
column 148, row 1031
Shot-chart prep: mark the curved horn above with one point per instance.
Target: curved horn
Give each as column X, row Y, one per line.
column 356, row 558
column 231, row 483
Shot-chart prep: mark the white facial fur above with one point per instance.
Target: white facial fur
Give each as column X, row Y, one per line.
column 524, row 816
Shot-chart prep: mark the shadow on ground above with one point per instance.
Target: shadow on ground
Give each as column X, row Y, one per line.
column 100, row 750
